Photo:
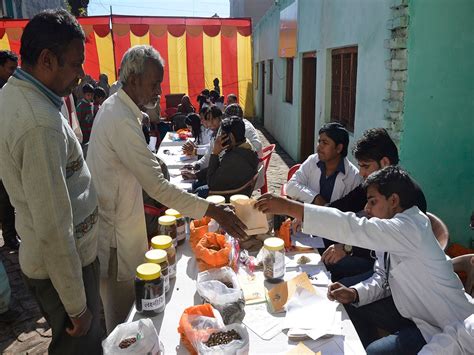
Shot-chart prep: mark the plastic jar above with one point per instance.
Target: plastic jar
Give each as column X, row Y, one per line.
column 149, row 290
column 274, row 259
column 167, row 226
column 160, row 257
column 164, row 242
column 217, row 200
column 180, row 224
column 234, row 198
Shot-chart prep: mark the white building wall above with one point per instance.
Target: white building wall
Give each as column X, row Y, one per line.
column 322, row 26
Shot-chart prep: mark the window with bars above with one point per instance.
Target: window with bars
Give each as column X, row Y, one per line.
column 289, row 80
column 343, row 86
column 270, row 76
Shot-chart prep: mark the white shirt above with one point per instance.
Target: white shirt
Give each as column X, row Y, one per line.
column 121, row 165
column 423, row 284
column 304, row 184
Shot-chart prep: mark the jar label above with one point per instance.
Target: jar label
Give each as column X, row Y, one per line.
column 279, row 265
column 167, row 282
column 172, row 270
column 181, row 231
column 153, row 303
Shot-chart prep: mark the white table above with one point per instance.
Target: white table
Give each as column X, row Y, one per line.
column 183, row 294
column 169, row 142
column 173, row 157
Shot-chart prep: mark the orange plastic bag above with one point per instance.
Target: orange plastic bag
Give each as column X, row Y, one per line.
column 185, row 326
column 198, row 228
column 212, row 251
column 284, row 232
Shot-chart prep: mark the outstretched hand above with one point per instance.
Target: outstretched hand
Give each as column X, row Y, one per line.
column 342, row 294
column 270, row 203
column 228, row 220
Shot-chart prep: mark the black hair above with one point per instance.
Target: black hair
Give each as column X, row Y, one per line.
column 374, row 145
column 338, row 134
column 99, row 92
column 50, row 29
column 236, row 126
column 205, row 92
column 214, row 95
column 393, row 180
column 215, row 80
column 215, row 112
column 87, row 89
column 203, row 111
column 7, row 55
column 194, row 121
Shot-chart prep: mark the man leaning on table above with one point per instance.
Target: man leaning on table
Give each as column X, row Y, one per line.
column 121, row 165
column 427, row 294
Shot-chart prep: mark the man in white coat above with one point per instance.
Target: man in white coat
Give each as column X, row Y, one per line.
column 427, row 295
column 121, row 165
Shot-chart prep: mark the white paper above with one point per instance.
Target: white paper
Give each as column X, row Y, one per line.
column 261, row 322
column 291, row 259
column 301, row 239
column 152, row 143
column 303, row 303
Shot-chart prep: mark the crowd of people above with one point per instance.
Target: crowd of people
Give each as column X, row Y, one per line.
column 75, row 166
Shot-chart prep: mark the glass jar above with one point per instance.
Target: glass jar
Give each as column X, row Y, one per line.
column 180, row 224
column 217, row 200
column 164, row 242
column 167, row 226
column 158, row 256
column 149, row 290
column 274, row 259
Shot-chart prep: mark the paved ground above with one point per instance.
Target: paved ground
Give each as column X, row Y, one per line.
column 30, row 334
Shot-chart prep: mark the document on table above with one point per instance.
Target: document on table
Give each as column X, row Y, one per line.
column 301, row 239
column 324, row 320
column 262, row 322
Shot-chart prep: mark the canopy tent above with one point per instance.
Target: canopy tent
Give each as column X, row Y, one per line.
column 195, row 50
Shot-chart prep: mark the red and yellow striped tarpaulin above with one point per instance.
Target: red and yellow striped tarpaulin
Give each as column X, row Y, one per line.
column 195, row 50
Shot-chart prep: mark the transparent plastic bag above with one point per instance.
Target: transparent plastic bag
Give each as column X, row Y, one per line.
column 220, row 287
column 146, row 340
column 235, row 347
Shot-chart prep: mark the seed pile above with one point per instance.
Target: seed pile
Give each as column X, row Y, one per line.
column 127, row 342
column 303, row 260
column 222, row 338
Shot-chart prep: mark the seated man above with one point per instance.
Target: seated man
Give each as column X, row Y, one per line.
column 238, row 164
column 373, row 151
column 327, row 175
column 426, row 293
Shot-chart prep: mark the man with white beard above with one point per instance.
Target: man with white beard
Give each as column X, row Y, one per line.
column 121, row 165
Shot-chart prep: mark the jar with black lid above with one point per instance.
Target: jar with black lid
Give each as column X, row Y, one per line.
column 180, row 224
column 158, row 256
column 149, row 290
column 164, row 242
column 167, row 226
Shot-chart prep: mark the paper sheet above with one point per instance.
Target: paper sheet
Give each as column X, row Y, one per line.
column 261, row 322
column 291, row 259
column 252, row 286
column 306, row 240
column 281, row 293
column 152, row 143
column 302, row 349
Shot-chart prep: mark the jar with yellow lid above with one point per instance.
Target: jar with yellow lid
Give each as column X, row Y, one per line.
column 180, row 224
column 149, row 290
column 274, row 259
column 158, row 256
column 167, row 226
column 164, row 242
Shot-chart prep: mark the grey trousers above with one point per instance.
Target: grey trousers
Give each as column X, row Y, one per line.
column 117, row 296
column 54, row 312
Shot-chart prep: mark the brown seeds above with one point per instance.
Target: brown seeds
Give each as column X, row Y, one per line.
column 222, row 338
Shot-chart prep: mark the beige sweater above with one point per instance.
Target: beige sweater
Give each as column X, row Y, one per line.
column 121, row 165
column 49, row 185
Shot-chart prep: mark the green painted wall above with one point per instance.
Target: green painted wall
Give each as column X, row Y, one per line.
column 437, row 144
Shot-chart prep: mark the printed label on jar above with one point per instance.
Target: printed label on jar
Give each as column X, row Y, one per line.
column 172, row 270
column 154, row 303
column 167, row 282
column 181, row 232
column 279, row 265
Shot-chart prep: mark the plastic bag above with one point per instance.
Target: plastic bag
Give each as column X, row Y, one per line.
column 198, row 228
column 220, row 287
column 197, row 323
column 140, row 335
column 235, row 347
column 212, row 251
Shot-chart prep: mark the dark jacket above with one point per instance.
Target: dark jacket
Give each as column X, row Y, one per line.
column 237, row 167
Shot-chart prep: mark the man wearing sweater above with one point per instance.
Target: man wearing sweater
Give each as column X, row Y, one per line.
column 49, row 183
column 121, row 165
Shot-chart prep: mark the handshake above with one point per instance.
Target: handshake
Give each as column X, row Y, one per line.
column 188, row 172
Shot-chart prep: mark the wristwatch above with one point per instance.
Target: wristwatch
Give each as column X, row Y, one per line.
column 348, row 249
